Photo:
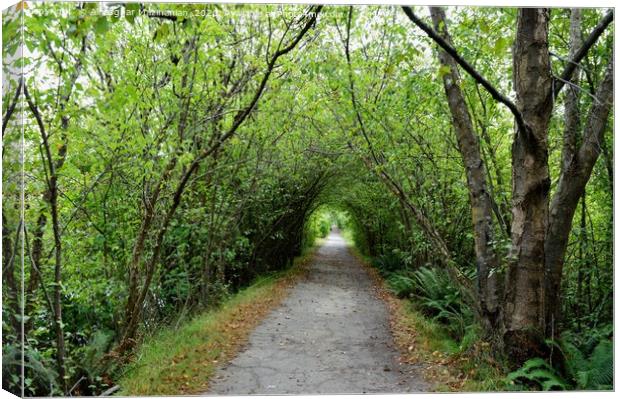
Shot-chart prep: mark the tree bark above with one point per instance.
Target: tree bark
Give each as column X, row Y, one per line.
column 524, row 301
column 487, row 261
column 572, row 122
column 534, row 242
column 571, row 186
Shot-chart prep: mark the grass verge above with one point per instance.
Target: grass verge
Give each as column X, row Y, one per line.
column 423, row 341
column 181, row 361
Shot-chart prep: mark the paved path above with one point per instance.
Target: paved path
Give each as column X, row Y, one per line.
column 330, row 335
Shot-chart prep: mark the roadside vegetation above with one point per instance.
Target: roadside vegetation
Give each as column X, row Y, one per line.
column 434, row 327
column 450, row 363
column 181, row 359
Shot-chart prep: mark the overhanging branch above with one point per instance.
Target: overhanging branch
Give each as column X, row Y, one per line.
column 581, row 53
column 467, row 67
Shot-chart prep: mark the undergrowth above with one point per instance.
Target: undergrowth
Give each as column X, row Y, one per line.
column 587, row 364
column 181, row 360
column 433, row 325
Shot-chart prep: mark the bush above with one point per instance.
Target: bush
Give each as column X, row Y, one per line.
column 39, row 375
column 92, row 365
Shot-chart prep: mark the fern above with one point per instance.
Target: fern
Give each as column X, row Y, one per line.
column 585, row 373
column 94, row 352
column 601, row 367
column 441, row 300
column 39, row 373
column 539, row 373
column 575, row 362
column 401, row 285
column 589, row 372
column 388, row 263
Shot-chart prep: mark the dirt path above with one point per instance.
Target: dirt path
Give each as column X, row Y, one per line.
column 331, row 335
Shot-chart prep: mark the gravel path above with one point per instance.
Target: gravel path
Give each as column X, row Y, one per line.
column 330, row 335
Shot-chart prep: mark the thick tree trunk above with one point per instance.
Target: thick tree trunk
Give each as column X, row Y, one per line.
column 481, row 203
column 532, row 239
column 524, row 302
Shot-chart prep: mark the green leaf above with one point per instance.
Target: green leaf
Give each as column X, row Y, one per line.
column 501, row 45
column 101, row 25
column 132, row 10
column 162, row 32
column 444, row 70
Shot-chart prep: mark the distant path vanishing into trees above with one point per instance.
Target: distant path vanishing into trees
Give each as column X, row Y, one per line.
column 331, row 335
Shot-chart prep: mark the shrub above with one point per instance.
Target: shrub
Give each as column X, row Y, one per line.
column 38, row 374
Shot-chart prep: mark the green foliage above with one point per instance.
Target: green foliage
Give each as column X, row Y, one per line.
column 539, row 373
column 589, row 371
column 40, row 375
column 388, row 263
column 92, row 363
column 318, row 225
column 472, row 336
column 583, row 372
column 441, row 299
column 433, row 291
column 599, row 373
column 402, row 285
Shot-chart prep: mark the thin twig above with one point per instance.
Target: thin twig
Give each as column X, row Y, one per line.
column 576, row 86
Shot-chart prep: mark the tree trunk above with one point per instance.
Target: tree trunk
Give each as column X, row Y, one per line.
column 60, row 335
column 481, row 203
column 569, row 146
column 571, row 186
column 524, row 301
